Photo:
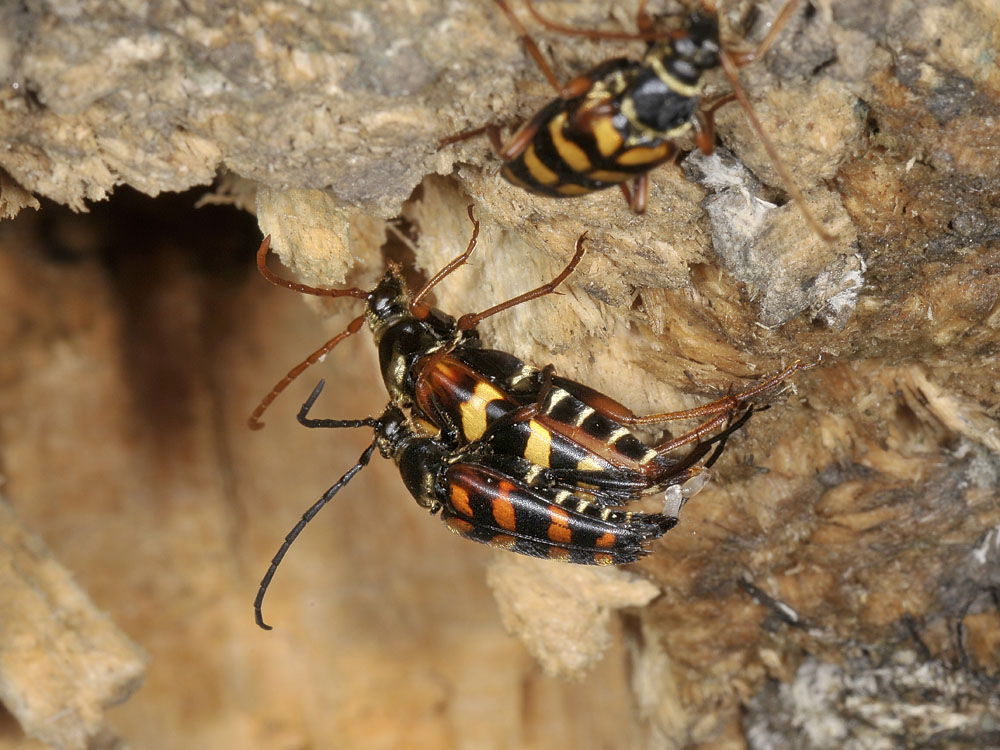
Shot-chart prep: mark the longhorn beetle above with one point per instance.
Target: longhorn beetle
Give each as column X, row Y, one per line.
column 552, row 441
column 493, row 499
column 435, row 368
column 616, row 122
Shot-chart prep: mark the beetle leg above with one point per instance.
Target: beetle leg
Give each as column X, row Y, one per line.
column 467, row 322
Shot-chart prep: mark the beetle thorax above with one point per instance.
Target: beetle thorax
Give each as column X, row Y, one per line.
column 418, row 458
column 401, row 338
column 664, row 93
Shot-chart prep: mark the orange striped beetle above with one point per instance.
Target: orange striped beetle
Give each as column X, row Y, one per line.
column 569, row 432
column 621, row 119
column 495, row 499
column 512, row 455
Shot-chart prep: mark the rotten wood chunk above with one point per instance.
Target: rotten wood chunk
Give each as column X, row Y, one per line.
column 63, row 662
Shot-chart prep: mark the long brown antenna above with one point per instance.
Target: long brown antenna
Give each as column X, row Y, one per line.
column 530, row 46
column 730, row 68
column 642, row 20
column 467, row 322
column 268, row 274
column 456, row 262
column 353, row 327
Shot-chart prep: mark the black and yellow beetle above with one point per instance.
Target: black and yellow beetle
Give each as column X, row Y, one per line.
column 491, row 499
column 437, row 370
column 621, row 119
column 511, row 455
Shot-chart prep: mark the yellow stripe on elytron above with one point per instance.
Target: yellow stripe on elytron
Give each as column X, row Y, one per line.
column 647, row 457
column 588, row 464
column 539, row 171
column 562, row 496
column 473, row 411
column 539, row 444
column 605, row 175
column 569, row 152
column 557, row 396
column 608, row 139
column 617, row 435
column 573, row 189
column 526, row 372
column 585, row 413
column 639, row 155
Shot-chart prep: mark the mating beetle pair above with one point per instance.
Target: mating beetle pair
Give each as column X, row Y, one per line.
column 510, row 454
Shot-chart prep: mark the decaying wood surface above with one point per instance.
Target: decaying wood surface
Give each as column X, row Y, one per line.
column 63, row 662
column 865, row 500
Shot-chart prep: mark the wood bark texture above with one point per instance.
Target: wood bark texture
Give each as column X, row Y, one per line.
column 834, row 586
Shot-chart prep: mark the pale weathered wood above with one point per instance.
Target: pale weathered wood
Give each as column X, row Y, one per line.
column 865, row 499
column 63, row 662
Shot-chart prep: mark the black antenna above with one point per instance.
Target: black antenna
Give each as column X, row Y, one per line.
column 318, row 505
column 306, row 421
